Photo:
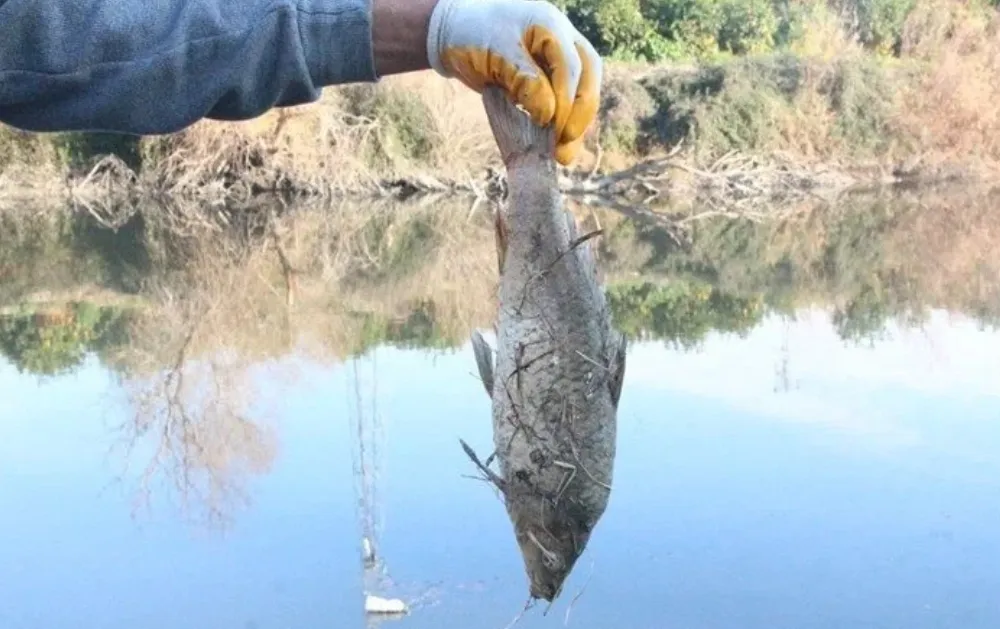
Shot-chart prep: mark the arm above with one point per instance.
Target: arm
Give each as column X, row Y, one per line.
column 151, row 67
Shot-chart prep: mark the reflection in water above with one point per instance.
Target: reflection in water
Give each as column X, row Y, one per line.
column 423, row 276
column 733, row 519
column 191, row 425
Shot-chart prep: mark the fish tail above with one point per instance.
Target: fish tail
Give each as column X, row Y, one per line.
column 515, row 133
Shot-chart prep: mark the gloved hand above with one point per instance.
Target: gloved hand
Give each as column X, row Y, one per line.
column 530, row 49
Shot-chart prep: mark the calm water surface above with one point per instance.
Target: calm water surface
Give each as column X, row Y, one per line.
column 781, row 478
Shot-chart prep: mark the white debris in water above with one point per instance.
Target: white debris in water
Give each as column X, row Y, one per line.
column 367, row 550
column 379, row 605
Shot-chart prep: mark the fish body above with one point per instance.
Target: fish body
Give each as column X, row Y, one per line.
column 555, row 378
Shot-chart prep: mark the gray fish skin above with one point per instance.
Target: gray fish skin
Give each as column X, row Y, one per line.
column 555, row 378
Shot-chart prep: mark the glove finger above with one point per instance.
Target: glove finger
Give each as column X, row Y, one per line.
column 567, row 152
column 557, row 56
column 520, row 77
column 527, row 84
column 588, row 95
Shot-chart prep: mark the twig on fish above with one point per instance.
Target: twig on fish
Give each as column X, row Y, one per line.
column 490, row 474
column 567, row 480
column 522, row 367
column 478, row 478
column 540, row 274
column 510, row 441
column 514, row 407
column 592, row 361
column 584, row 238
column 576, row 455
column 475, row 206
column 579, row 594
column 548, row 554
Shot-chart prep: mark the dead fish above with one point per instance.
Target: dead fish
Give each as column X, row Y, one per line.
column 555, row 379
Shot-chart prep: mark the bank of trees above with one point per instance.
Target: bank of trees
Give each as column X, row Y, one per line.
column 656, row 30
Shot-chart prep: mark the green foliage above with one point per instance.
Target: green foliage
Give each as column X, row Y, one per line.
column 735, row 105
column 47, row 344
column 862, row 97
column 878, row 23
column 656, row 30
column 625, row 105
column 681, row 313
column 406, row 127
column 747, row 26
column 741, row 118
column 754, row 104
column 419, row 330
column 396, row 248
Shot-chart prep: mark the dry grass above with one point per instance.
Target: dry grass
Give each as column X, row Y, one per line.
column 952, row 108
column 350, row 137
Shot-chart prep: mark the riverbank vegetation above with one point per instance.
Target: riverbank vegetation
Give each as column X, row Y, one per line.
column 878, row 89
column 332, row 280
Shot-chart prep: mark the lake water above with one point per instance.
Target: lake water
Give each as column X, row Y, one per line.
column 783, row 473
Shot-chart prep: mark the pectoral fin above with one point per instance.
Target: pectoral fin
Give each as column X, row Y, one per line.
column 484, row 360
column 617, row 369
column 500, row 228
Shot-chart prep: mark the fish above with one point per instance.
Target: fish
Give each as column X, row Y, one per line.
column 555, row 377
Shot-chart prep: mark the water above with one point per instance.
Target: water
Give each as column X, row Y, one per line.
column 815, row 445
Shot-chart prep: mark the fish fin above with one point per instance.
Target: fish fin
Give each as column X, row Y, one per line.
column 484, row 360
column 500, row 228
column 617, row 368
column 513, row 129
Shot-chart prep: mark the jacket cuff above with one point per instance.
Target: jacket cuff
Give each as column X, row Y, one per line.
column 337, row 39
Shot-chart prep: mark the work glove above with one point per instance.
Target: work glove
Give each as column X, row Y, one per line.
column 528, row 48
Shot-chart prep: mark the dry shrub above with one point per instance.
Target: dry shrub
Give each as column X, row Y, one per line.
column 458, row 118
column 353, row 134
column 962, row 232
column 806, row 126
column 306, row 147
column 952, row 106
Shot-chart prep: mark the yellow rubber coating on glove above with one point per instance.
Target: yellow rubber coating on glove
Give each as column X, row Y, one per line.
column 543, row 90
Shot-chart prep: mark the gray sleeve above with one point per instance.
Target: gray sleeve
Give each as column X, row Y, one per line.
column 157, row 66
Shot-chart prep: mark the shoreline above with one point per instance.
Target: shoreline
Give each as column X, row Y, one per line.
column 826, row 120
column 422, row 274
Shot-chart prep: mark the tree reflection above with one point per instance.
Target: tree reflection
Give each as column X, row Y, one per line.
column 185, row 304
column 191, row 422
column 419, row 276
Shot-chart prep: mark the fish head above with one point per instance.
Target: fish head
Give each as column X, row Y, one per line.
column 549, row 557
